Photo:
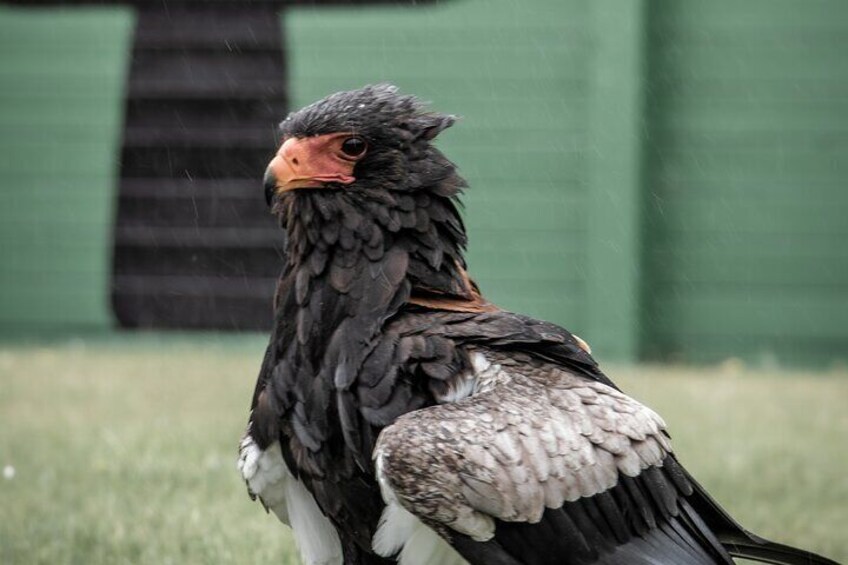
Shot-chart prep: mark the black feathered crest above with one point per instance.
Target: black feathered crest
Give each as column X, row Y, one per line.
column 378, row 112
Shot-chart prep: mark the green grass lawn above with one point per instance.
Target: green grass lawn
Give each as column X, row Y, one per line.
column 124, row 450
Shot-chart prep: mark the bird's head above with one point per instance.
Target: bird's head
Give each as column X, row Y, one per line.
column 357, row 179
column 370, row 139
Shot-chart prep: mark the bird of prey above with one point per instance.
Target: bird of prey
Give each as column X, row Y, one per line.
column 399, row 416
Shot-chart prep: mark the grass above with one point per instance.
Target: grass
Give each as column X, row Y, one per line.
column 124, row 450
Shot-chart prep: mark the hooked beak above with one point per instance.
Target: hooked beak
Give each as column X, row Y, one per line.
column 270, row 184
column 307, row 162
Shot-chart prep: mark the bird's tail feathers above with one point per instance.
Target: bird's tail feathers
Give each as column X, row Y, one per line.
column 741, row 543
column 766, row 551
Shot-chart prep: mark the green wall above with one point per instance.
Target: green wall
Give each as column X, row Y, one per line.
column 663, row 178
column 62, row 74
column 747, row 199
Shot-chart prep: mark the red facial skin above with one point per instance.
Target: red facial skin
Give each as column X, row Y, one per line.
column 313, row 162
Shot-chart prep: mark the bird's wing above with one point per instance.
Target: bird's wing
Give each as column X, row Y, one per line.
column 422, row 358
column 540, row 465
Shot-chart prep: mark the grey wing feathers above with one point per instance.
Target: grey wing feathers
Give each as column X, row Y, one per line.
column 537, row 438
column 546, row 464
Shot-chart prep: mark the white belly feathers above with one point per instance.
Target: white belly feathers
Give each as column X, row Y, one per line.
column 268, row 478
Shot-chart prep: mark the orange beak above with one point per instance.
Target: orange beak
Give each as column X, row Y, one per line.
column 309, row 162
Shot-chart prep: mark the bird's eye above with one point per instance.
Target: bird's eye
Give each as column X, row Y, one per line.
column 353, row 146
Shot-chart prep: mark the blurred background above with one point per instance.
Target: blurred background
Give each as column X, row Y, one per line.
column 666, row 178
column 663, row 177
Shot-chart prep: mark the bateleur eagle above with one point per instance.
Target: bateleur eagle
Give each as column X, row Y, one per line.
column 400, row 416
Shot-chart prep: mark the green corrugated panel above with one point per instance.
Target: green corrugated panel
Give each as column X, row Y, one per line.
column 61, row 105
column 748, row 103
column 517, row 73
column 614, row 211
